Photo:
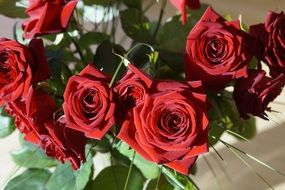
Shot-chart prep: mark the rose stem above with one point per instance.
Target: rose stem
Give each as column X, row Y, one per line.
column 160, row 17
column 130, row 170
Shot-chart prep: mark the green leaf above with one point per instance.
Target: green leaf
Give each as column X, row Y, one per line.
column 106, row 59
column 173, row 35
column 65, row 73
column 102, row 145
column 149, row 170
column 253, row 63
column 54, row 58
column 163, row 184
column 136, row 25
column 114, row 177
column 173, row 60
column 63, row 178
column 228, row 17
column 9, row 9
column 245, row 128
column 32, row 156
column 172, row 178
column 140, row 56
column 85, row 171
column 91, row 38
column 165, row 72
column 226, row 116
column 216, row 131
column 30, row 179
column 6, row 124
column 133, row 4
column 178, row 180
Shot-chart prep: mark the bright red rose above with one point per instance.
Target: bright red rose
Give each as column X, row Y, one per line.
column 88, row 103
column 182, row 4
column 217, row 51
column 47, row 17
column 253, row 94
column 272, row 38
column 20, row 66
column 170, row 126
column 131, row 91
column 31, row 112
column 63, row 143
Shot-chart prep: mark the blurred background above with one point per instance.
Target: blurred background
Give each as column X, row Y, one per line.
column 213, row 173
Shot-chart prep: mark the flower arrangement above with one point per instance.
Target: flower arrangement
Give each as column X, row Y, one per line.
column 74, row 91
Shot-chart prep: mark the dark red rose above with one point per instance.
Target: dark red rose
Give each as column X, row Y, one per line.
column 170, row 126
column 88, row 103
column 63, row 143
column 253, row 94
column 47, row 17
column 217, row 51
column 272, row 38
column 130, row 91
column 20, row 66
column 31, row 112
column 182, row 4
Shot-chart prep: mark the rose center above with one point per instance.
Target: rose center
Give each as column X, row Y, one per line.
column 132, row 96
column 5, row 69
column 214, row 51
column 171, row 122
column 90, row 103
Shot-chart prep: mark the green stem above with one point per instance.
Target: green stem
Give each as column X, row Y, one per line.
column 122, row 61
column 160, row 17
column 172, row 177
column 158, row 179
column 77, row 48
column 248, row 165
column 129, row 172
column 215, row 150
column 252, row 157
column 116, row 73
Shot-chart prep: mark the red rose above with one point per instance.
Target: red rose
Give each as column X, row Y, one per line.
column 272, row 38
column 217, row 51
column 254, row 93
column 20, row 66
column 130, row 91
column 88, row 103
column 63, row 143
column 47, row 17
column 182, row 4
column 170, row 126
column 31, row 112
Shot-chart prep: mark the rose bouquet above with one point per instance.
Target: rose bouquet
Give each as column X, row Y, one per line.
column 153, row 101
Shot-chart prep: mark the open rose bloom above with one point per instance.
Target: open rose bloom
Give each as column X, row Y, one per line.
column 47, row 17
column 167, row 123
column 106, row 98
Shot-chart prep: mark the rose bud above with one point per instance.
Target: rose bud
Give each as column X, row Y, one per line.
column 31, row 112
column 272, row 38
column 47, row 17
column 130, row 91
column 253, row 94
column 182, row 4
column 88, row 103
column 217, row 51
column 170, row 126
column 63, row 143
column 20, row 66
